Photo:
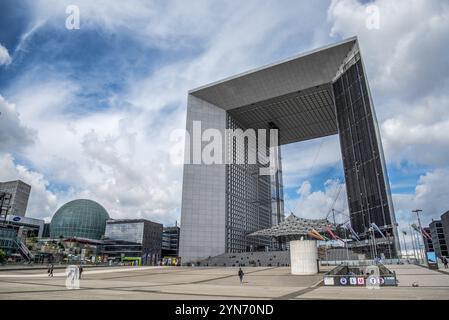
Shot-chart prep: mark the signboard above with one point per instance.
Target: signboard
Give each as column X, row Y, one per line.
column 432, row 260
column 431, row 257
column 390, row 281
column 329, row 281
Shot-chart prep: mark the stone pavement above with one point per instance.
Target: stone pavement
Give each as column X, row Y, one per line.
column 157, row 283
column 212, row 283
column 432, row 285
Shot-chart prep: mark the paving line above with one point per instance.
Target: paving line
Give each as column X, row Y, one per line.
column 63, row 274
column 295, row 294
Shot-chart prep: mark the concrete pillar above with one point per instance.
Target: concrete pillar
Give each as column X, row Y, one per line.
column 303, row 257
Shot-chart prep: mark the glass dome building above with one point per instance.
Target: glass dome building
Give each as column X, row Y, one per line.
column 79, row 218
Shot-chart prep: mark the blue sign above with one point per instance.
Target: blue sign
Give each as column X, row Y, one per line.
column 431, row 257
column 343, row 281
column 16, row 219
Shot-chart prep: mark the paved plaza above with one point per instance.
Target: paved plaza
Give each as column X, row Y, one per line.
column 212, row 283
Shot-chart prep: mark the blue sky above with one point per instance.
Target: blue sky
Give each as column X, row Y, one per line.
column 89, row 112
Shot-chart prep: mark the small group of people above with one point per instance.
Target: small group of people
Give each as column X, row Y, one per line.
column 51, row 267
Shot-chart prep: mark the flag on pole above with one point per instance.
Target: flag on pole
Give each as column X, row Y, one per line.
column 312, row 232
column 426, row 234
column 378, row 229
column 353, row 233
column 333, row 236
column 415, row 227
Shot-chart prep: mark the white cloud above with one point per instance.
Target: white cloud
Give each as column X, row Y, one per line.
column 42, row 202
column 430, row 195
column 317, row 204
column 5, row 58
column 303, row 160
column 421, row 134
column 120, row 157
column 14, row 136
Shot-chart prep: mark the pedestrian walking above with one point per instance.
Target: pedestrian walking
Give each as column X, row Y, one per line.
column 80, row 270
column 445, row 262
column 241, row 274
column 50, row 270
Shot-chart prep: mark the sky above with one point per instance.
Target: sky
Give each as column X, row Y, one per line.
column 88, row 112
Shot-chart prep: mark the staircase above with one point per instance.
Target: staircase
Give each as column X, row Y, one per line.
column 9, row 241
column 23, row 250
column 254, row 259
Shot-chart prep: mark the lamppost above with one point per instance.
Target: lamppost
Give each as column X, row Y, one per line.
column 415, row 255
column 417, row 211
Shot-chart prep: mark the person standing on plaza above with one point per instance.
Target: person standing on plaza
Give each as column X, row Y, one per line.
column 445, row 262
column 50, row 270
column 80, row 270
column 241, row 274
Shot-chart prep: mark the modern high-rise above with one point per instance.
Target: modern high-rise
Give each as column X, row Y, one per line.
column 445, row 225
column 438, row 238
column 170, row 241
column 20, row 192
column 319, row 93
column 143, row 232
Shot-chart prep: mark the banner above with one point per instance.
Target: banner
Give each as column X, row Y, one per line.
column 333, row 235
column 315, row 234
column 378, row 229
column 353, row 233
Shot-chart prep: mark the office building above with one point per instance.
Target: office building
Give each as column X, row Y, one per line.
column 20, row 192
column 170, row 241
column 445, row 225
column 139, row 237
column 320, row 93
column 26, row 227
column 438, row 238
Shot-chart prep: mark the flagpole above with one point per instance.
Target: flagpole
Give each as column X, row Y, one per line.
column 371, row 242
column 389, row 246
column 374, row 243
column 413, row 243
column 417, row 211
column 405, row 243
column 346, row 245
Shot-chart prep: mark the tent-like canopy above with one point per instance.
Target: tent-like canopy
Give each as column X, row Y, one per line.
column 294, row 227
